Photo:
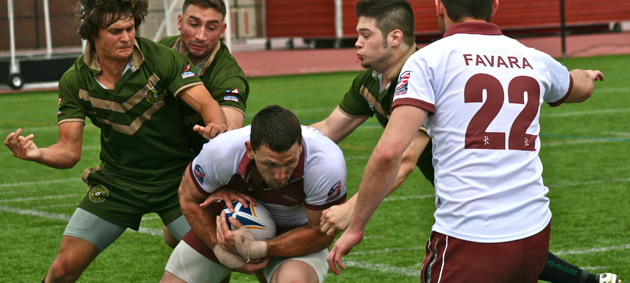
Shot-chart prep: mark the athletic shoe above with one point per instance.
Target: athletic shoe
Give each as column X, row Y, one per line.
column 609, row 278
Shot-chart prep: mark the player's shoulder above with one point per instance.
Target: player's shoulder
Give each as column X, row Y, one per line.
column 319, row 147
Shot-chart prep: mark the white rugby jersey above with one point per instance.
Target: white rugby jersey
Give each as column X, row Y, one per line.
column 484, row 91
column 318, row 182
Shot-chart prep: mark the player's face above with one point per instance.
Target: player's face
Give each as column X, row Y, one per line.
column 116, row 41
column 201, row 29
column 275, row 167
column 372, row 49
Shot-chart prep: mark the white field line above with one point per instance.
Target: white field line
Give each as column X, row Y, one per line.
column 588, row 112
column 37, row 198
column 9, row 185
column 415, row 272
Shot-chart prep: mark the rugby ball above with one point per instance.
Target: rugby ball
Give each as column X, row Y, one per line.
column 255, row 218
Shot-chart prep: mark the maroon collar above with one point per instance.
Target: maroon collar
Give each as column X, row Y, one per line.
column 246, row 164
column 473, row 28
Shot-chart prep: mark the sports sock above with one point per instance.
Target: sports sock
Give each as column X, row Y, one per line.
column 559, row 271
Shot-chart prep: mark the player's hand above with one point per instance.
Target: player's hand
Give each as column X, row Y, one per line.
column 228, row 196
column 343, row 246
column 253, row 266
column 210, row 131
column 596, row 75
column 336, row 218
column 225, row 236
column 247, row 246
column 23, row 147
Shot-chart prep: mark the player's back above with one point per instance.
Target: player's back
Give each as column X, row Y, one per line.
column 486, row 90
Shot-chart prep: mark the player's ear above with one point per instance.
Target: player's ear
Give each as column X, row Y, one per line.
column 179, row 22
column 395, row 37
column 439, row 9
column 249, row 149
column 495, row 4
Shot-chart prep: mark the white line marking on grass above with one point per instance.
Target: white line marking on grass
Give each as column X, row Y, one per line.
column 409, row 197
column 383, row 268
column 40, row 182
column 593, row 250
column 388, row 250
column 56, row 205
column 37, row 198
column 16, row 192
column 588, row 112
column 66, row 218
column 590, row 182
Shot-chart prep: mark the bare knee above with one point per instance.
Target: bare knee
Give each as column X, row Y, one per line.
column 294, row 271
column 63, row 270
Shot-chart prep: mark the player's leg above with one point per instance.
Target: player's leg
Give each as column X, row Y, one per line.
column 425, row 162
column 308, row 268
column 559, row 271
column 189, row 262
column 86, row 235
column 175, row 231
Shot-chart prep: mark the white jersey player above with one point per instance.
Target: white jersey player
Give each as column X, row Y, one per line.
column 482, row 93
column 296, row 171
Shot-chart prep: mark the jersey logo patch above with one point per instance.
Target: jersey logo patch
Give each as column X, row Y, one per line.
column 199, row 174
column 186, row 73
column 231, row 97
column 401, row 87
column 232, row 91
column 334, row 192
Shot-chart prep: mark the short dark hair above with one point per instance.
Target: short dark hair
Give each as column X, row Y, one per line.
column 476, row 9
column 277, row 128
column 218, row 5
column 389, row 15
column 94, row 15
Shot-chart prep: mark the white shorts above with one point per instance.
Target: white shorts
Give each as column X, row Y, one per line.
column 191, row 266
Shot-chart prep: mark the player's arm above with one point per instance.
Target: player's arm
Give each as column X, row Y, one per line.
column 337, row 218
column 201, row 219
column 583, row 84
column 299, row 241
column 338, row 125
column 63, row 154
column 198, row 98
column 234, row 117
column 378, row 177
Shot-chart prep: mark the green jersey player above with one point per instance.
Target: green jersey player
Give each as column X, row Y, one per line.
column 132, row 89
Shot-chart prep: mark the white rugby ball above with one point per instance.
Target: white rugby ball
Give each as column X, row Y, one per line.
column 255, row 218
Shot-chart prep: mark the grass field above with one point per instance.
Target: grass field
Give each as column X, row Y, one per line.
column 585, row 151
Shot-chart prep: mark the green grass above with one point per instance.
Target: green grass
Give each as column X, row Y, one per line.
column 585, row 153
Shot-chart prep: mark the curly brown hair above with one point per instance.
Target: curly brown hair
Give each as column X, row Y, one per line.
column 94, row 15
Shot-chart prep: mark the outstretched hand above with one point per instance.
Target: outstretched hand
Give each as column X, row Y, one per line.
column 23, row 147
column 596, row 75
column 343, row 246
column 211, row 130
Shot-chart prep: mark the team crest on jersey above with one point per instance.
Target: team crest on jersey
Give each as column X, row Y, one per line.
column 334, row 192
column 199, row 174
column 403, row 80
column 97, row 193
column 187, row 73
column 153, row 96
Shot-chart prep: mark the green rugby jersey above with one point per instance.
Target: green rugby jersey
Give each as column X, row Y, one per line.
column 142, row 137
column 224, row 79
column 365, row 97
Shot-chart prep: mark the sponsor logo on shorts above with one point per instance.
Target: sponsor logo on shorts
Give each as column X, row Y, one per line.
column 334, row 192
column 199, row 173
column 401, row 87
column 98, row 193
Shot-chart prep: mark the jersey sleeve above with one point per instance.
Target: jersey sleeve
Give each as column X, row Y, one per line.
column 70, row 106
column 353, row 103
column 227, row 84
column 415, row 84
column 175, row 68
column 211, row 169
column 560, row 84
column 325, row 177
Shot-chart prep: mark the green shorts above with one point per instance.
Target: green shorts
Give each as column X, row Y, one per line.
column 120, row 201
